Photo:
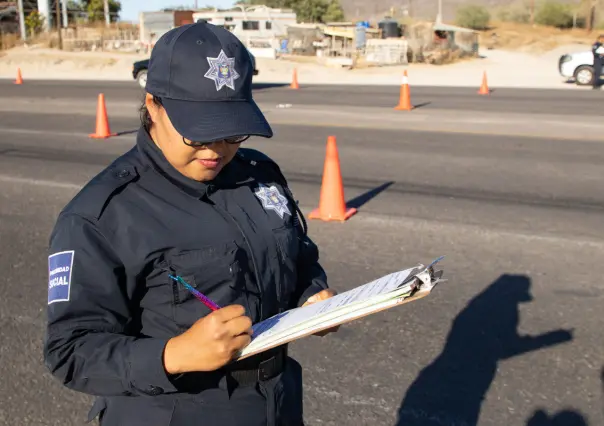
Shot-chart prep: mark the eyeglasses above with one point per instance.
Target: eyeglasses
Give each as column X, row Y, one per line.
column 233, row 140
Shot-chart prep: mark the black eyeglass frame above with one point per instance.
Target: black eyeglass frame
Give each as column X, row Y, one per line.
column 233, row 140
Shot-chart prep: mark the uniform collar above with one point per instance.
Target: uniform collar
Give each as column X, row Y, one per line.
column 229, row 176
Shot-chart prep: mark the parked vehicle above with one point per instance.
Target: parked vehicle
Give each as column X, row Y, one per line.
column 578, row 67
column 139, row 70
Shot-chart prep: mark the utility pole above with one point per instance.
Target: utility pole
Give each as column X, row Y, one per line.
column 532, row 12
column 439, row 17
column 22, row 20
column 107, row 17
column 65, row 17
column 58, row 19
column 196, row 5
column 592, row 16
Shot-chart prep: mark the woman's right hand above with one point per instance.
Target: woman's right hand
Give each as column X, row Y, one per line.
column 210, row 343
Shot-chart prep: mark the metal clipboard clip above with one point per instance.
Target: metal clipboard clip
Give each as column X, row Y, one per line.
column 425, row 279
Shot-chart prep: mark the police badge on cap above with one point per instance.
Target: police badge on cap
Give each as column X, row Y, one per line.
column 222, row 71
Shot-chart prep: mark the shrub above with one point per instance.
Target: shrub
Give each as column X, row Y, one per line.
column 554, row 14
column 517, row 12
column 473, row 16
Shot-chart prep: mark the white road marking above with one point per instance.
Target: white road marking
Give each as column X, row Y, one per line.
column 39, row 182
column 377, row 219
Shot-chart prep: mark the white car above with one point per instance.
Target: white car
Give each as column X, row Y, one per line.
column 577, row 66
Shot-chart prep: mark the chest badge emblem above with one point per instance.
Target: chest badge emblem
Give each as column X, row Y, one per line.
column 272, row 199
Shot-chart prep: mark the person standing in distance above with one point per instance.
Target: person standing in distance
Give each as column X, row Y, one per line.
column 185, row 202
column 598, row 51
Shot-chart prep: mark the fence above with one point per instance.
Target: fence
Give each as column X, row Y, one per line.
column 101, row 38
column 387, row 51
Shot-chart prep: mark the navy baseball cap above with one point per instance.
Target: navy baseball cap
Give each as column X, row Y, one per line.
column 203, row 75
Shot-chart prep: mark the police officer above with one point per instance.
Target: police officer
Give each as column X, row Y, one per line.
column 598, row 51
column 184, row 202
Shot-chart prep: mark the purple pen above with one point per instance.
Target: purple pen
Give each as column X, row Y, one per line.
column 199, row 296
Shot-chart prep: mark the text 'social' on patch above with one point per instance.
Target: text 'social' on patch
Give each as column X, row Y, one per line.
column 59, row 276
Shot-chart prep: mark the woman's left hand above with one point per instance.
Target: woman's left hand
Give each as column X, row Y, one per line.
column 322, row 295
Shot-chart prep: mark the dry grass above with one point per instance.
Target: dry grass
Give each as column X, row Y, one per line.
column 8, row 41
column 532, row 39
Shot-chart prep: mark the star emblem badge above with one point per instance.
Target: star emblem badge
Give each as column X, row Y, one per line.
column 272, row 199
column 222, row 71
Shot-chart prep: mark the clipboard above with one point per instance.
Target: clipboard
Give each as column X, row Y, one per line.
column 387, row 292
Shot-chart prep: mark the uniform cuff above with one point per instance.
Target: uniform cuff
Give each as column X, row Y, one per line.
column 313, row 289
column 147, row 372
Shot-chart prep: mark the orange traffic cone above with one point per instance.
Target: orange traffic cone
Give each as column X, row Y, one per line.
column 332, row 206
column 19, row 79
column 102, row 122
column 484, row 88
column 405, row 99
column 295, row 84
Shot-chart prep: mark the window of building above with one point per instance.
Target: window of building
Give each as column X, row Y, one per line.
column 269, row 25
column 251, row 25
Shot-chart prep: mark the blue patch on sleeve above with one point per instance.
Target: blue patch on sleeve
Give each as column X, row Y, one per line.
column 59, row 276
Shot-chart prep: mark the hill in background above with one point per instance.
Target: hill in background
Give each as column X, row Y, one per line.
column 512, row 36
column 375, row 10
column 419, row 9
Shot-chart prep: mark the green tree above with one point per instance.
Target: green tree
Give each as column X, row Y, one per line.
column 554, row 14
column 473, row 16
column 74, row 5
column 34, row 22
column 96, row 9
column 334, row 12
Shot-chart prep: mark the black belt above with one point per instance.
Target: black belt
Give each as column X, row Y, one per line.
column 259, row 368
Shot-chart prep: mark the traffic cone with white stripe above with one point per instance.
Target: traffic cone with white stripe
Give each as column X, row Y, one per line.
column 405, row 98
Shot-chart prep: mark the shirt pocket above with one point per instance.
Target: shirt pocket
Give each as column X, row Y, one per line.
column 288, row 249
column 215, row 271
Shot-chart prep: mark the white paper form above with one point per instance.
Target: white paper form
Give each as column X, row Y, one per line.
column 296, row 317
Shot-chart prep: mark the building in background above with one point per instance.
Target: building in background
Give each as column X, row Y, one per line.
column 260, row 28
column 253, row 21
column 152, row 25
column 9, row 19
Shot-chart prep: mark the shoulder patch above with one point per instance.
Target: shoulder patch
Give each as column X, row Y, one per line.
column 93, row 198
column 59, row 276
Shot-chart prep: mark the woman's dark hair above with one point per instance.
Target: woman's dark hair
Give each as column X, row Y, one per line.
column 144, row 113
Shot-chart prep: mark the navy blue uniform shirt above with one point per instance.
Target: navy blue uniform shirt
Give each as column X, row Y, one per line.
column 111, row 304
column 594, row 48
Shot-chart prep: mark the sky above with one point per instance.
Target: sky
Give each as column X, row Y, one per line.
column 131, row 8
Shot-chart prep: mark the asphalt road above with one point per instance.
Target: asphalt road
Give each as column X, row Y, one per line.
column 530, row 101
column 513, row 338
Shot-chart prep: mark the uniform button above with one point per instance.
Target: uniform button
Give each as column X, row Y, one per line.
column 154, row 391
column 123, row 173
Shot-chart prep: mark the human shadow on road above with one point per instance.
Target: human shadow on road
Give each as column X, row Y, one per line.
column 361, row 200
column 563, row 418
column 450, row 391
